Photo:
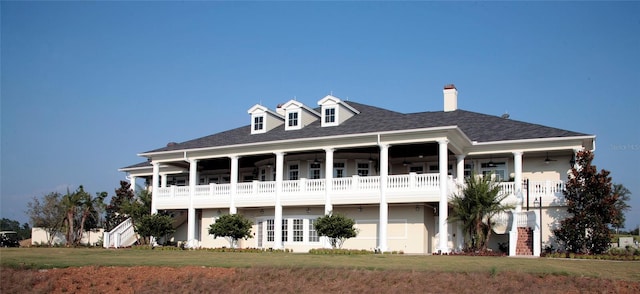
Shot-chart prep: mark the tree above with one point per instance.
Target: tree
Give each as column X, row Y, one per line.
column 24, row 231
column 48, row 214
column 621, row 205
column 232, row 227
column 70, row 202
column 114, row 211
column 480, row 200
column 90, row 210
column 337, row 227
column 154, row 225
column 592, row 208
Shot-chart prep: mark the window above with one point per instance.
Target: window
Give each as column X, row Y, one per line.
column 363, row 169
column 293, row 172
column 263, row 174
column 270, row 230
column 260, row 233
column 293, row 119
column 330, row 115
column 314, row 170
column 258, row 123
column 436, row 169
column 338, row 169
column 498, row 169
column 298, row 230
column 416, row 169
column 468, row 169
column 313, row 235
column 285, row 231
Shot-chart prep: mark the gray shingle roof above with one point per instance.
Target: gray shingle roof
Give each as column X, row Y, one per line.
column 478, row 127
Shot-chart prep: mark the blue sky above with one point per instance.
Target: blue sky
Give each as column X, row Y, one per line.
column 87, row 86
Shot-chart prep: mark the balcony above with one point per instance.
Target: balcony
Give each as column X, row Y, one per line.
column 356, row 190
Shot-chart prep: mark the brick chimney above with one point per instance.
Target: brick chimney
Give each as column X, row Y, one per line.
column 450, row 97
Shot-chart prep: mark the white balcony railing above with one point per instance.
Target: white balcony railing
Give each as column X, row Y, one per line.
column 408, row 187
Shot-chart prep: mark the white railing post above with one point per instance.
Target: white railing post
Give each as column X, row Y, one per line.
column 355, row 182
column 412, row 180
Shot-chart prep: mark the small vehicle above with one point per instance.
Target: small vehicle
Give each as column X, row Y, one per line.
column 9, row 239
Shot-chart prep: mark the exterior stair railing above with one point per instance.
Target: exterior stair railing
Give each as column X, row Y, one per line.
column 122, row 235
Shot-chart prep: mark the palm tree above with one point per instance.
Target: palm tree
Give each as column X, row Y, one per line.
column 480, row 200
column 90, row 207
column 70, row 202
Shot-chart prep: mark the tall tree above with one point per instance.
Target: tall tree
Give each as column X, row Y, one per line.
column 624, row 195
column 115, row 214
column 592, row 208
column 480, row 200
column 233, row 227
column 48, row 214
column 337, row 227
column 90, row 210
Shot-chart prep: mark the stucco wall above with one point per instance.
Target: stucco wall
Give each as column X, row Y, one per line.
column 40, row 236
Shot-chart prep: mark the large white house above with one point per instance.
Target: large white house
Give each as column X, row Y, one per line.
column 393, row 173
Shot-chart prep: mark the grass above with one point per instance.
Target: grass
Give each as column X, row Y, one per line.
column 42, row 258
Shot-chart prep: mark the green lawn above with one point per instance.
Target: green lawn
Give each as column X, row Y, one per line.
column 74, row 257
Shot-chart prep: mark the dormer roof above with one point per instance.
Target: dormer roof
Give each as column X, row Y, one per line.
column 297, row 115
column 334, row 111
column 263, row 119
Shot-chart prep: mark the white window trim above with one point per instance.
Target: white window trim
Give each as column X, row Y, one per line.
column 368, row 167
column 309, row 169
column 336, row 116
column 344, row 168
column 299, row 123
column 264, row 124
column 288, row 165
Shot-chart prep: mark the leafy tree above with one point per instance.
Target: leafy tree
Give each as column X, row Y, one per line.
column 621, row 205
column 592, row 206
column 337, row 227
column 115, row 214
column 154, row 225
column 24, row 231
column 232, row 227
column 48, row 214
column 480, row 200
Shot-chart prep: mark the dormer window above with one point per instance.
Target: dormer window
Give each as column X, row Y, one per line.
column 330, row 115
column 297, row 115
column 293, row 119
column 258, row 123
column 263, row 119
column 335, row 111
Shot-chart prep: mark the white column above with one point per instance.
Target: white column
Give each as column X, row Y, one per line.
column 154, row 186
column 277, row 218
column 460, row 169
column 234, row 183
column 328, row 174
column 132, row 183
column 191, row 216
column 517, row 166
column 443, row 207
column 384, row 206
column 163, row 180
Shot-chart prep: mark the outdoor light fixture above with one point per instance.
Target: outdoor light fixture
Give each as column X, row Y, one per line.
column 308, row 210
column 405, row 162
column 261, row 211
column 547, row 160
column 316, row 161
column 572, row 161
column 417, row 207
column 360, row 208
column 491, row 163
